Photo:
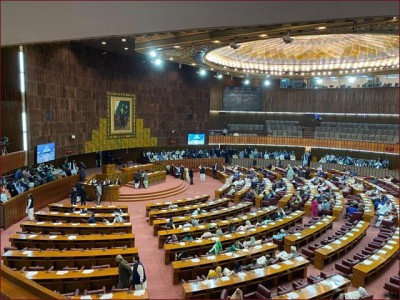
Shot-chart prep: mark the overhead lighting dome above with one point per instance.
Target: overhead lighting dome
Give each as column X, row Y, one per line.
column 307, row 54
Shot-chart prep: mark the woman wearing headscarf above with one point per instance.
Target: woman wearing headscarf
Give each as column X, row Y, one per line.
column 215, row 273
column 237, row 295
column 216, row 248
column 314, row 207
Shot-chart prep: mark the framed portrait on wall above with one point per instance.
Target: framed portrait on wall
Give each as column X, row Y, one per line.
column 121, row 115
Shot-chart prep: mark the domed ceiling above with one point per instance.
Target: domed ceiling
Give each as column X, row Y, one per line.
column 326, row 54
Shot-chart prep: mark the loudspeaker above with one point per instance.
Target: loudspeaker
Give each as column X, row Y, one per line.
column 190, row 116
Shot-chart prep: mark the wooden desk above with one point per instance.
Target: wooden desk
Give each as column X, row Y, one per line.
column 180, row 202
column 267, row 189
column 71, row 258
column 69, row 281
column 308, row 234
column 369, row 267
column 369, row 211
column 200, row 247
column 241, row 194
column 322, row 290
column 196, row 231
column 110, row 193
column 333, row 250
column 180, row 211
column 72, row 241
column 339, row 205
column 248, row 281
column 189, row 269
column 220, row 192
column 135, row 295
column 313, row 193
column 76, row 228
column 95, row 208
column 206, row 217
column 108, row 169
column 55, row 216
column 288, row 195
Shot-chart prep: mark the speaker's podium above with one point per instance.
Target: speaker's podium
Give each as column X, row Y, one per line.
column 110, row 193
column 108, row 169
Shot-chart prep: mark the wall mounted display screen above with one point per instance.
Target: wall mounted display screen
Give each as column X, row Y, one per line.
column 241, row 99
column 46, row 152
column 196, row 139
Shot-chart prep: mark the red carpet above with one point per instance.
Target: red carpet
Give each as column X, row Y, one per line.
column 160, row 276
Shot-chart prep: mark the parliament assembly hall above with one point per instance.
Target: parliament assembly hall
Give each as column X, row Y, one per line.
column 199, row 150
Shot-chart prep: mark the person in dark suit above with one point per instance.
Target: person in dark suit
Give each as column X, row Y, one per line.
column 191, row 175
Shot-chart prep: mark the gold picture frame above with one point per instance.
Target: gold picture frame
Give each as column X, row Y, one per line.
column 121, row 115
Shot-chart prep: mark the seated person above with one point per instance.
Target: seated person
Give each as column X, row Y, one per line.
column 182, row 255
column 384, row 209
column 215, row 273
column 280, row 235
column 196, row 212
column 172, row 239
column 172, row 206
column 92, row 220
column 237, row 295
column 285, row 256
column 357, row 294
column 216, row 248
column 218, row 231
column 186, row 225
column 351, row 209
column 252, row 266
column 118, row 218
column 236, row 246
column 325, row 205
column 280, row 214
column 380, row 218
column 245, row 227
column 188, row 238
column 195, row 222
column 170, row 224
column 231, row 228
column 251, row 243
column 206, row 235
column 265, row 222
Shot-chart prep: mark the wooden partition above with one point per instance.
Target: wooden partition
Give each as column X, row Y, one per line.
column 12, row 161
column 15, row 209
column 194, row 162
column 291, row 141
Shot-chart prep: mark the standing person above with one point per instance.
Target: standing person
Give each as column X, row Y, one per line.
column 82, row 172
column 99, row 193
column 137, row 179
column 141, row 179
column 191, row 175
column 139, row 279
column 202, row 173
column 74, row 195
column 289, row 173
column 73, row 168
column 314, row 207
column 181, row 170
column 145, row 180
column 214, row 170
column 187, row 174
column 81, row 193
column 30, row 207
column 124, row 273
column 304, row 159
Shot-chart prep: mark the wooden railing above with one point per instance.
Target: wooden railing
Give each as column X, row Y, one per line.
column 290, row 141
column 14, row 209
column 12, row 161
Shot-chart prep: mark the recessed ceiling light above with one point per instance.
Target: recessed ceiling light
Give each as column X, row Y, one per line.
column 394, row 18
column 103, row 43
column 216, row 41
column 124, row 40
column 126, row 48
column 262, row 35
column 320, row 28
column 171, row 58
column 177, row 46
column 193, row 64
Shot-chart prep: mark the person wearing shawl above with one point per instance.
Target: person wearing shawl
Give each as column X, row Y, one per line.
column 215, row 273
column 237, row 295
column 285, row 256
column 216, row 248
column 236, row 246
column 250, row 243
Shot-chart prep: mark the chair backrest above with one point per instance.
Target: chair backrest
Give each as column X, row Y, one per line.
column 70, row 268
column 36, row 268
column 264, row 291
column 76, row 293
column 367, row 297
column 224, row 294
column 114, row 289
column 93, row 292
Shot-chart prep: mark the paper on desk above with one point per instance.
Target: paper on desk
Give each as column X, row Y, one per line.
column 61, row 272
column 31, row 236
column 367, row 262
column 72, row 237
column 337, row 242
column 139, row 292
column 349, row 234
column 242, row 232
column 86, row 297
column 182, row 243
column 225, row 278
column 31, row 273
column 253, row 229
column 392, row 242
column 375, row 257
column 211, row 257
column 228, row 253
column 27, row 252
column 242, row 274
column 355, row 230
column 54, row 212
column 67, row 214
column 292, row 295
column 382, row 252
column 88, row 271
column 92, row 224
column 228, row 235
column 75, row 224
column 288, row 262
column 388, row 247
column 276, row 267
column 299, row 258
column 343, row 238
column 186, row 229
column 327, row 247
column 257, row 247
column 201, row 226
column 312, row 227
column 198, row 241
column 272, row 223
column 235, row 219
column 195, row 260
column 298, row 233
column 107, row 296
column 270, row 244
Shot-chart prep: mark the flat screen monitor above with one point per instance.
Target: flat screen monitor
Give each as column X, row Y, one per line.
column 196, row 139
column 45, row 152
